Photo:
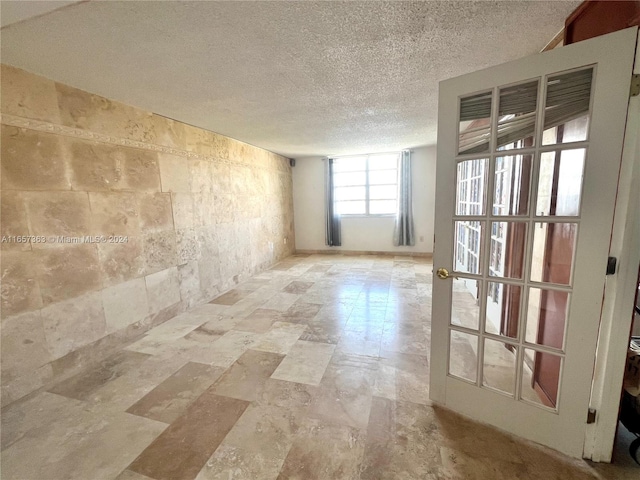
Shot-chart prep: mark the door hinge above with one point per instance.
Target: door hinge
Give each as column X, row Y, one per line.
column 591, row 415
column 635, row 85
column 611, row 265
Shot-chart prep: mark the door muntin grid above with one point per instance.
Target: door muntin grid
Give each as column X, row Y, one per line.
column 525, row 350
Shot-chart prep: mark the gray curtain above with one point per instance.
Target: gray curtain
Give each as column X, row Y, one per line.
column 333, row 238
column 403, row 232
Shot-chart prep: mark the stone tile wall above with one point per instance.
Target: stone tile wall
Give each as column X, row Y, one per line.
column 191, row 214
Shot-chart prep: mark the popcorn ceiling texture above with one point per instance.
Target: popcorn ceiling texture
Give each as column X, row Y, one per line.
column 298, row 78
column 200, row 211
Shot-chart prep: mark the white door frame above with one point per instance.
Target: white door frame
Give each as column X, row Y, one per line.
column 567, row 435
column 620, row 290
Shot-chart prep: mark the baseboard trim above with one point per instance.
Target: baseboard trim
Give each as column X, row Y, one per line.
column 365, row 252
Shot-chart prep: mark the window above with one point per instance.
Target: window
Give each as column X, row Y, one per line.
column 366, row 184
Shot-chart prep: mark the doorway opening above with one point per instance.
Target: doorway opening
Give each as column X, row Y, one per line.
column 628, row 433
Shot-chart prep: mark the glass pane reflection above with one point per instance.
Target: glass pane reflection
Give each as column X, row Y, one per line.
column 475, row 123
column 463, row 355
column 499, row 366
column 471, row 183
column 503, row 309
column 566, row 112
column 465, row 303
column 541, row 377
column 517, row 115
column 546, row 317
column 467, row 247
column 507, row 249
column 560, row 182
column 553, row 248
column 511, row 185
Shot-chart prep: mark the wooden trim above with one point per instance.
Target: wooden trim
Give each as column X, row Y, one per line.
column 555, row 41
column 597, row 17
column 542, row 395
column 576, row 13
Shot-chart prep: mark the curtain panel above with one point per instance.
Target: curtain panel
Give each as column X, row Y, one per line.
column 403, row 234
column 332, row 220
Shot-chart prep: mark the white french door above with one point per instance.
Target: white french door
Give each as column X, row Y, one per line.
column 527, row 173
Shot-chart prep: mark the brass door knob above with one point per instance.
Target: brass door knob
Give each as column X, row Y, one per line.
column 442, row 273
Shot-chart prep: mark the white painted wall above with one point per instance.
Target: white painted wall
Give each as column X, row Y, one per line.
column 361, row 233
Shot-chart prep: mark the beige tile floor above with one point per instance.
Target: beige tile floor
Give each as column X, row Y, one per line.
column 315, row 369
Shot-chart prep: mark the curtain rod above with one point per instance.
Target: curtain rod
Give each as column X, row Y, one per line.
column 365, row 154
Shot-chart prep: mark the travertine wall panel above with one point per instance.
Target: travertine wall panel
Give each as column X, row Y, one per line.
column 122, row 261
column 32, row 160
column 114, row 213
column 189, row 281
column 97, row 114
column 14, row 218
column 161, row 250
column 73, row 323
column 163, row 289
column 20, row 285
column 174, row 173
column 125, row 304
column 29, row 96
column 192, row 212
column 58, row 213
column 155, row 212
column 66, row 271
column 24, row 346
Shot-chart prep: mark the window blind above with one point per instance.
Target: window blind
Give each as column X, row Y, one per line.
column 568, row 98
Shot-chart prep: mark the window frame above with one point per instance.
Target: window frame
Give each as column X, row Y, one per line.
column 367, row 185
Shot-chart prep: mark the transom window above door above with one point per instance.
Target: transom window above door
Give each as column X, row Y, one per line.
column 366, row 184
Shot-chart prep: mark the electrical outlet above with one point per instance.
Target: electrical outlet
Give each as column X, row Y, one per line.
column 421, row 238
column 285, row 240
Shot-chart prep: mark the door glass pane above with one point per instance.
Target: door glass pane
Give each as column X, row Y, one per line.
column 503, row 309
column 540, row 377
column 350, row 193
column 499, row 366
column 566, row 112
column 475, row 123
column 463, row 355
column 553, row 248
column 382, row 207
column 517, row 115
column 546, row 317
column 382, row 177
column 351, row 208
column 507, row 249
column 560, row 182
column 467, row 247
column 511, row 185
column 471, row 181
column 383, row 192
column 465, row 302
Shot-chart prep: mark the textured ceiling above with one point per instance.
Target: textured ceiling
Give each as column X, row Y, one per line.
column 297, row 78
